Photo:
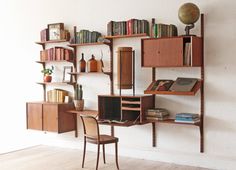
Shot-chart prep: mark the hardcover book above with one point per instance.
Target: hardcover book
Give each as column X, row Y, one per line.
column 183, row 84
column 162, row 85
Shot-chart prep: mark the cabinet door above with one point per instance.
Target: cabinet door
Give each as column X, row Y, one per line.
column 66, row 121
column 34, row 116
column 162, row 52
column 50, row 117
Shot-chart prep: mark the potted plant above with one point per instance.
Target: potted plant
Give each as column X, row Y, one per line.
column 47, row 74
column 78, row 98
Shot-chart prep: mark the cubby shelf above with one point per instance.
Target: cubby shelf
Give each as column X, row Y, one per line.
column 187, row 93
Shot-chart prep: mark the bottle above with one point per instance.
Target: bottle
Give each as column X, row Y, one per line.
column 82, row 64
column 92, row 64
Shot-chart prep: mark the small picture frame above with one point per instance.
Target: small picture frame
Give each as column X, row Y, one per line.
column 55, row 31
column 66, row 76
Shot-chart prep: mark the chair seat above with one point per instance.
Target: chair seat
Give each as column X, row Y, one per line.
column 104, row 139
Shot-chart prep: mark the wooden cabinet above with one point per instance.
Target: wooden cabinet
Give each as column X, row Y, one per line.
column 122, row 108
column 170, row 51
column 50, row 117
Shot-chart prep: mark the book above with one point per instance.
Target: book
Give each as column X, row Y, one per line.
column 187, row 115
column 157, row 118
column 188, row 121
column 157, row 112
column 162, row 85
column 186, row 118
column 183, row 84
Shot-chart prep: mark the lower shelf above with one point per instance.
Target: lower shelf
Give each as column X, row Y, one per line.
column 172, row 121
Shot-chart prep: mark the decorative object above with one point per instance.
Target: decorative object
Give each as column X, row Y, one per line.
column 92, row 64
column 82, row 64
column 189, row 14
column 100, row 64
column 55, row 31
column 66, row 75
column 47, row 74
column 78, row 98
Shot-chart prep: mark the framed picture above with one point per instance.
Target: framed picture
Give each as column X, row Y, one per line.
column 66, row 76
column 55, row 31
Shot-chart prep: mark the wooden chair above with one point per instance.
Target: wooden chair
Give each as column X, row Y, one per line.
column 92, row 135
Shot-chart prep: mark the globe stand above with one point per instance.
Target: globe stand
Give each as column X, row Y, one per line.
column 187, row 29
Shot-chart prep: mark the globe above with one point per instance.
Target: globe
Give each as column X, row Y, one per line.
column 188, row 13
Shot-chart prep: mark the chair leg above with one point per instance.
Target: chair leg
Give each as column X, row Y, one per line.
column 98, row 156
column 84, row 152
column 104, row 159
column 116, row 153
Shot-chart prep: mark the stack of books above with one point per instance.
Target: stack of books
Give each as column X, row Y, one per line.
column 187, row 118
column 157, row 114
column 56, row 95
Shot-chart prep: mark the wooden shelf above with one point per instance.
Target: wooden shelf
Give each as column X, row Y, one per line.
column 48, row 61
column 56, row 83
column 172, row 121
column 127, row 36
column 188, row 93
column 48, row 42
column 88, row 44
column 131, row 108
column 130, row 102
column 81, row 73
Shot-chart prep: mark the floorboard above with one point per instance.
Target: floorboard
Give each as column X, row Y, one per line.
column 55, row 158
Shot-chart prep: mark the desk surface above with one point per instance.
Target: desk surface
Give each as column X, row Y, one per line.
column 87, row 112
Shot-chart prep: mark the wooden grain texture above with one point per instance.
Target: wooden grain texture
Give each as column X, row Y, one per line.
column 56, row 158
column 34, row 116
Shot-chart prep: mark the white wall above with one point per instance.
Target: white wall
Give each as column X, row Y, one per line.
column 21, row 22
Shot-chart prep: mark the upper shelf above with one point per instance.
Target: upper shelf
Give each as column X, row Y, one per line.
column 127, row 36
column 187, row 93
column 56, row 83
column 172, row 121
column 88, row 44
column 77, row 73
column 52, row 41
column 43, row 62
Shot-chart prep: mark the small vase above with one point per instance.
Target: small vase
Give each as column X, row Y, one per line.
column 79, row 105
column 47, row 78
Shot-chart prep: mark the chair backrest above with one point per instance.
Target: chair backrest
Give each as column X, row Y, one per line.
column 90, row 125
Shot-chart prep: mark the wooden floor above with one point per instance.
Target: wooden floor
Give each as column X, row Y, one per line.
column 55, row 158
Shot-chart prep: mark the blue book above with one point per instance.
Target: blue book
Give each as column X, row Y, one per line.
column 188, row 115
column 186, row 118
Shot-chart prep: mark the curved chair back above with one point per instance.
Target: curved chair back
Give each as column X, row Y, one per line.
column 90, row 125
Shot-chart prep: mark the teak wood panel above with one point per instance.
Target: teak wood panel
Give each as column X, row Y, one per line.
column 162, row 52
column 34, row 116
column 196, row 51
column 50, row 117
column 66, row 121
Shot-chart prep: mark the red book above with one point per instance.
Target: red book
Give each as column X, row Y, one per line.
column 129, row 26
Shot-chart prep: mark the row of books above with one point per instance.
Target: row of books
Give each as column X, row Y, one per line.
column 56, row 95
column 187, row 118
column 132, row 26
column 180, row 84
column 164, row 30
column 86, row 36
column 157, row 114
column 44, row 35
column 56, row 53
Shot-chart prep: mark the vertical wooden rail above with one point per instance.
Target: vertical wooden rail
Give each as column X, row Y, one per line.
column 133, row 73
column 202, row 89
column 154, row 96
column 111, row 67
